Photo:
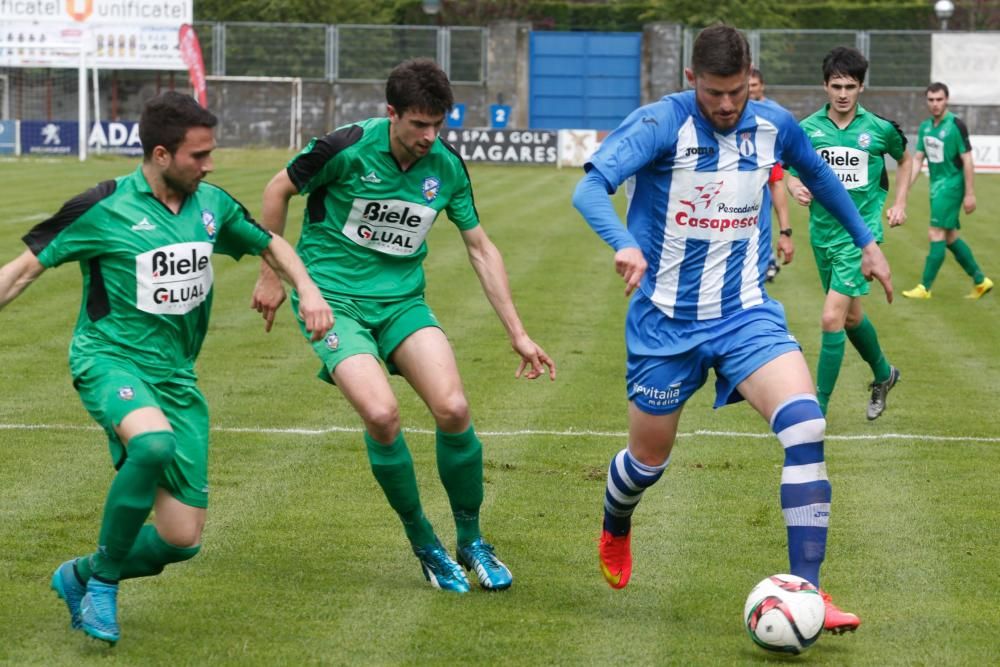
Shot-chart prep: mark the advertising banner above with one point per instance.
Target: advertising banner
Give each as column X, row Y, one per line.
column 986, row 153
column 968, row 62
column 191, row 55
column 8, row 136
column 115, row 138
column 49, row 137
column 504, row 146
column 116, row 34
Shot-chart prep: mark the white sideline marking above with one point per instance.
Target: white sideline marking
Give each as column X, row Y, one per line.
column 35, row 217
column 532, row 432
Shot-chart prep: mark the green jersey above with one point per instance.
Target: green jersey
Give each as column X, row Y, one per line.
column 147, row 274
column 366, row 219
column 944, row 144
column 855, row 154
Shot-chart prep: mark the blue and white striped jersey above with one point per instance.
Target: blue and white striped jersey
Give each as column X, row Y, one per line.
column 701, row 210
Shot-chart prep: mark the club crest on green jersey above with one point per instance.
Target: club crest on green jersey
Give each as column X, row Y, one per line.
column 432, row 186
column 208, row 219
column 864, row 140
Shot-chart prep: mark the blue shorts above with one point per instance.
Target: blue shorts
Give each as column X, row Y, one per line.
column 668, row 359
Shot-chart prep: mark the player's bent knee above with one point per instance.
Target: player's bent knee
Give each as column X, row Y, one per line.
column 152, row 448
column 452, row 413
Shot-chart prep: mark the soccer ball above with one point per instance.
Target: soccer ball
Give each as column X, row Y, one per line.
column 784, row 613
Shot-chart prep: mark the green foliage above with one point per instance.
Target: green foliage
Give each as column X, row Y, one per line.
column 303, row 563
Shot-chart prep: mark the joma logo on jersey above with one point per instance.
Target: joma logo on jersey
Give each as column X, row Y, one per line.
column 700, row 150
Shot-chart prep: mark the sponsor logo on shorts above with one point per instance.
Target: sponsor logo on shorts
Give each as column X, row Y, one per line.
column 657, row 397
column 208, row 219
column 143, row 225
column 431, row 188
column 332, row 341
column 126, row 393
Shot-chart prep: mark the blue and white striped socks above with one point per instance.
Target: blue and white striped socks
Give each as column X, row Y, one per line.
column 805, row 488
column 627, row 479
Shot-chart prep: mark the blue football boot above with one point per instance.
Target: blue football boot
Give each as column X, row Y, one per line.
column 69, row 589
column 99, row 611
column 440, row 570
column 478, row 557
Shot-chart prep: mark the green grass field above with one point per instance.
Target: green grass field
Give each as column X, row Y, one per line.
column 304, row 563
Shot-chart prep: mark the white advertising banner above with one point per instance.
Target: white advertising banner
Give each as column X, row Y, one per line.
column 115, row 34
column 968, row 63
column 986, row 153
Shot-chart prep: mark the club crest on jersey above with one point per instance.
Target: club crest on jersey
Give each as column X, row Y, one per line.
column 332, row 341
column 704, row 195
column 746, row 145
column 431, row 188
column 864, row 140
column 126, row 393
column 208, row 219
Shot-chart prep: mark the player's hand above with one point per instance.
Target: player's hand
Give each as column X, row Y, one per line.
column 630, row 265
column 969, row 204
column 268, row 295
column 315, row 313
column 786, row 249
column 533, row 359
column 896, row 215
column 874, row 266
column 801, row 194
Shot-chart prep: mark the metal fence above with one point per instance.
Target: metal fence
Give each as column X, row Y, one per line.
column 356, row 53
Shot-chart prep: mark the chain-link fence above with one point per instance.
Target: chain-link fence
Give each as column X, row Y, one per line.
column 358, row 53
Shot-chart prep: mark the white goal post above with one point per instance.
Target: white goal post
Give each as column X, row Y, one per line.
column 257, row 110
column 40, row 81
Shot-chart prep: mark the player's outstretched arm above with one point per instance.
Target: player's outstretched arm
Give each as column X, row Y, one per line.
column 313, row 308
column 17, row 274
column 489, row 267
column 269, row 293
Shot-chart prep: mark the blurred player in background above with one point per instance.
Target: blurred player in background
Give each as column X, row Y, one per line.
column 776, row 188
column 144, row 243
column 854, row 142
column 695, row 251
column 944, row 139
column 375, row 188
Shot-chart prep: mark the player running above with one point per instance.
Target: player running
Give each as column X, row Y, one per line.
column 144, row 243
column 695, row 252
column 854, row 142
column 374, row 189
column 944, row 139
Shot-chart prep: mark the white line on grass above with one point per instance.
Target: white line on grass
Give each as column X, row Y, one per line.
column 34, row 217
column 532, row 432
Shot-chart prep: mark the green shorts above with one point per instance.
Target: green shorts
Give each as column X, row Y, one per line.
column 111, row 390
column 840, row 269
column 945, row 207
column 364, row 326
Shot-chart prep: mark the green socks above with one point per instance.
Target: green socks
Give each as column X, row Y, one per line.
column 963, row 253
column 935, row 258
column 130, row 501
column 831, row 356
column 864, row 338
column 392, row 466
column 460, row 465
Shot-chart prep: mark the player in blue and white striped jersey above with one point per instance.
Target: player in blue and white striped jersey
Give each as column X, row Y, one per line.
column 696, row 249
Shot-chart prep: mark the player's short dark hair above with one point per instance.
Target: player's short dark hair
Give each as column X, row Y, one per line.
column 755, row 73
column 845, row 61
column 166, row 119
column 720, row 50
column 938, row 87
column 419, row 84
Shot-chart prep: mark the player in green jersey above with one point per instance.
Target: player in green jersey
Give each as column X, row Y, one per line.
column 944, row 139
column 374, row 189
column 144, row 243
column 853, row 141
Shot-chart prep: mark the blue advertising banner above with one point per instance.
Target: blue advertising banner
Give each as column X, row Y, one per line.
column 45, row 137
column 8, row 136
column 499, row 115
column 457, row 115
column 115, row 138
